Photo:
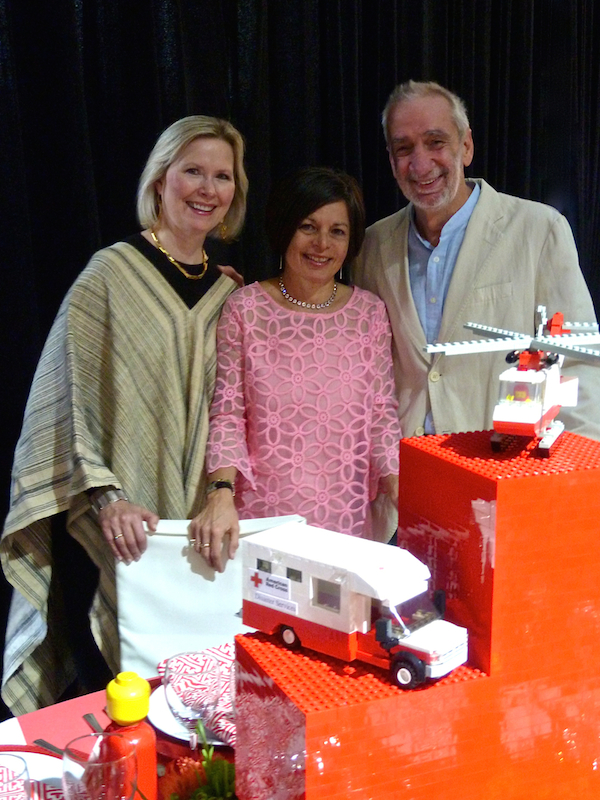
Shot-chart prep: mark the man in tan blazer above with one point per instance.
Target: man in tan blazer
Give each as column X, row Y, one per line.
column 461, row 252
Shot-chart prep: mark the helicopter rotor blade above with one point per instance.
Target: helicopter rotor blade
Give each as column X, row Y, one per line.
column 573, row 350
column 479, row 346
column 494, row 333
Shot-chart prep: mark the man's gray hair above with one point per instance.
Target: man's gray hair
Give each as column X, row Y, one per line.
column 412, row 90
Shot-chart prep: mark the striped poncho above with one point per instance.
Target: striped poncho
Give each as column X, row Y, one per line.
column 120, row 397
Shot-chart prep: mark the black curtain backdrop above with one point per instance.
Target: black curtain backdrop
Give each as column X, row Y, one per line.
column 87, row 85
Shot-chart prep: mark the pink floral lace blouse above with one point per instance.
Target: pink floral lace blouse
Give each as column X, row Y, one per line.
column 304, row 408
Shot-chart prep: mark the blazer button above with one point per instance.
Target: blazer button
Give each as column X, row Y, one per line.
column 420, row 431
column 434, row 376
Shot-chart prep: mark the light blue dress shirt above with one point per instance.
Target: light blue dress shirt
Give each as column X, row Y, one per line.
column 430, row 270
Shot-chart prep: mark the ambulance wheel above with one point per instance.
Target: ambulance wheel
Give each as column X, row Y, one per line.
column 407, row 672
column 289, row 638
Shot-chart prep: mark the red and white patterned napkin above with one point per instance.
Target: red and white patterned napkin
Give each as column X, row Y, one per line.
column 45, row 791
column 39, row 789
column 12, row 786
column 222, row 722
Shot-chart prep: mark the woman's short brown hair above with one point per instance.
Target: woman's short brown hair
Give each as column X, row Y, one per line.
column 300, row 194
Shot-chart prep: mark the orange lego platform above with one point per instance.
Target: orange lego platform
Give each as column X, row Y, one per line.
column 513, row 539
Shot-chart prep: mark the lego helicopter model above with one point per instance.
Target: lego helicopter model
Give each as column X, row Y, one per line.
column 532, row 391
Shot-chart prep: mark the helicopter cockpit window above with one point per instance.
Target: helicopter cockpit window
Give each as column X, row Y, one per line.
column 521, row 392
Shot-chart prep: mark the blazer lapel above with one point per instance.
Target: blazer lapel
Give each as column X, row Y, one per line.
column 396, row 284
column 482, row 236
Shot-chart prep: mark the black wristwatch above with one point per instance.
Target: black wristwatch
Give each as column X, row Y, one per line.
column 222, row 484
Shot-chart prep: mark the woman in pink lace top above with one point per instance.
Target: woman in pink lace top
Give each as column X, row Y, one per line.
column 304, row 417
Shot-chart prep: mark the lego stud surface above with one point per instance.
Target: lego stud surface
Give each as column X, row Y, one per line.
column 514, row 542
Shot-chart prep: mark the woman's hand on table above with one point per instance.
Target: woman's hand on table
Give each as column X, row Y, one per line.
column 122, row 525
column 207, row 531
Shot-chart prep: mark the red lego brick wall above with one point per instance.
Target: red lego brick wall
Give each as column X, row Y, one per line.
column 514, row 540
column 463, row 510
column 310, row 726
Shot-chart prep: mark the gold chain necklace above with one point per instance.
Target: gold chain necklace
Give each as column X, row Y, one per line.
column 183, row 271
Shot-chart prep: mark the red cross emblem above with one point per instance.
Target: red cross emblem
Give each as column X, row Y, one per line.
column 256, row 580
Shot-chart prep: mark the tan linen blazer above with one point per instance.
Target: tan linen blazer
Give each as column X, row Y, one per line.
column 516, row 254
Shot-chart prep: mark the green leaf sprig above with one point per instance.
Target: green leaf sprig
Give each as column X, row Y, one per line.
column 220, row 774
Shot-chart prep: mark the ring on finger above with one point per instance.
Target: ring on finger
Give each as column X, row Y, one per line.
column 118, row 536
column 206, row 544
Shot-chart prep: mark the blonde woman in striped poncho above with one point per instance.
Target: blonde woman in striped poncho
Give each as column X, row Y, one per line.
column 116, row 423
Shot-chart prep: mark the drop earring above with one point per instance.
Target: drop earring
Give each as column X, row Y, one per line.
column 223, row 230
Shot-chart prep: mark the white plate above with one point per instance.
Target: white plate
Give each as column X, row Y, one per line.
column 161, row 717
column 42, row 767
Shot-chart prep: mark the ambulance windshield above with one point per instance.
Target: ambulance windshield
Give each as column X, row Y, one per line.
column 413, row 614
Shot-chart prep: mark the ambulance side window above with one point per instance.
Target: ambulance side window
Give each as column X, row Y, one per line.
column 262, row 565
column 326, row 595
column 294, row 574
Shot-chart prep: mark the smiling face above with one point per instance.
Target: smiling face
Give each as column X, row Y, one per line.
column 428, row 156
column 197, row 188
column 320, row 245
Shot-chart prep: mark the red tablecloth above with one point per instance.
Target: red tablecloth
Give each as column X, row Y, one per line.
column 62, row 722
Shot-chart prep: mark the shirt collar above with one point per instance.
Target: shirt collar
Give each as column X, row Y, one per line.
column 458, row 221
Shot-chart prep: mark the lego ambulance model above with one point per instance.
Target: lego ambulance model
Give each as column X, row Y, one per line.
column 533, row 391
column 349, row 598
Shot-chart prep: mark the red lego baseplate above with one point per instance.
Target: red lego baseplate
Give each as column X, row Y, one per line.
column 513, row 539
column 340, row 683
column 517, row 459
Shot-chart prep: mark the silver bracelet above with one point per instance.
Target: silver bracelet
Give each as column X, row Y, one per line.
column 100, row 499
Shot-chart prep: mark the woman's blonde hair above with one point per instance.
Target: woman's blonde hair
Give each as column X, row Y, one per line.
column 167, row 149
